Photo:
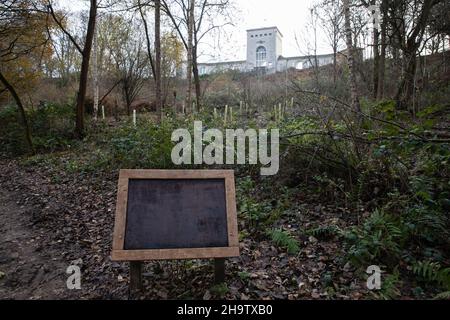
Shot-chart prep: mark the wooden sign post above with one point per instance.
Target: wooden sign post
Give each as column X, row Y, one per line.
column 175, row 214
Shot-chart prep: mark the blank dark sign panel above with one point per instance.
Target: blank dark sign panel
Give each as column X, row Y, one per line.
column 175, row 214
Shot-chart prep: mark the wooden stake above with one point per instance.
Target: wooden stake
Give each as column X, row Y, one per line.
column 225, row 116
column 134, row 118
column 103, row 112
column 219, row 271
column 135, row 276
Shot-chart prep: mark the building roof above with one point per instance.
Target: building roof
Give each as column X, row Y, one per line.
column 222, row 63
column 266, row 28
column 305, row 57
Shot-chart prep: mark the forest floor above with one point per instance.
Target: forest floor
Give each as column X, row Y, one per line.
column 29, row 270
column 52, row 217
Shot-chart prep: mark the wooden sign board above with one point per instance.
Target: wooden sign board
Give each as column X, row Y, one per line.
column 175, row 214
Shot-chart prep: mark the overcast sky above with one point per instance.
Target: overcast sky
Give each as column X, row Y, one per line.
column 290, row 16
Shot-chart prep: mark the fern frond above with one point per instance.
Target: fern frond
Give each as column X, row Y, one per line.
column 432, row 271
column 443, row 296
column 427, row 269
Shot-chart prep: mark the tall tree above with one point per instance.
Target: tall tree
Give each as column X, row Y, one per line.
column 376, row 48
column 383, row 50
column 374, row 7
column 66, row 59
column 330, row 15
column 193, row 20
column 85, row 52
column 95, row 72
column 351, row 56
column 409, row 22
column 159, row 106
column 129, row 57
column 190, row 52
column 171, row 60
column 23, row 41
column 19, row 104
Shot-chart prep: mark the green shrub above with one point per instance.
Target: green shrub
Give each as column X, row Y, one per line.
column 254, row 211
column 148, row 145
column 12, row 136
column 220, row 290
column 244, row 276
column 51, row 129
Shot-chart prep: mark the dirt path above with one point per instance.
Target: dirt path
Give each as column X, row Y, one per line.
column 27, row 270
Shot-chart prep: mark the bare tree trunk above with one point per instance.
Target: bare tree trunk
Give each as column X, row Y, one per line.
column 196, row 77
column 406, row 88
column 127, row 98
column 316, row 63
column 159, row 107
column 190, row 53
column 95, row 74
column 147, row 38
column 351, row 59
column 79, row 128
column 335, row 65
column 410, row 47
column 23, row 115
column 382, row 67
column 376, row 59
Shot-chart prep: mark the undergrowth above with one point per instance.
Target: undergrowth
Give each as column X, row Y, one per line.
column 395, row 186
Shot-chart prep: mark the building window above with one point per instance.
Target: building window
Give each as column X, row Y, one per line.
column 261, row 57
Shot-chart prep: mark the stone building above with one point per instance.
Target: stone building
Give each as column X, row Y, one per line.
column 265, row 55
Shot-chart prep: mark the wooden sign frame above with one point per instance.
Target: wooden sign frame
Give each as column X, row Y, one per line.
column 120, row 254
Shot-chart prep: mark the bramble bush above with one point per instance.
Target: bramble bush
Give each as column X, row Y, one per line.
column 51, row 129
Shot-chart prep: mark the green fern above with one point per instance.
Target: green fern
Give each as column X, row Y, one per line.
column 390, row 288
column 285, row 240
column 443, row 296
column 427, row 270
column 432, row 271
column 378, row 239
column 325, row 232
